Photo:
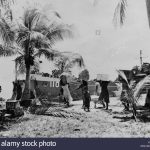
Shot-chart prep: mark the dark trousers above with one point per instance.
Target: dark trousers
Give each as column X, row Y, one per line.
column 87, row 99
column 104, row 97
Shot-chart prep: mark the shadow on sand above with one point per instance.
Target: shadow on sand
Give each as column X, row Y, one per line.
column 143, row 115
column 100, row 107
column 124, row 118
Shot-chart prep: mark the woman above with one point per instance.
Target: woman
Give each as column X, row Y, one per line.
column 64, row 89
column 85, row 95
column 104, row 95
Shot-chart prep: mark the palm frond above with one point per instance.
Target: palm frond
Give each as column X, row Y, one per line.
column 145, row 83
column 39, row 40
column 36, row 66
column 77, row 59
column 57, row 14
column 9, row 14
column 6, row 3
column 22, row 36
column 5, row 9
column 55, row 32
column 21, row 68
column 130, row 91
column 20, row 63
column 120, row 12
column 7, row 51
column 31, row 18
column 69, row 60
column 49, row 54
column 59, row 32
column 6, row 32
column 123, row 76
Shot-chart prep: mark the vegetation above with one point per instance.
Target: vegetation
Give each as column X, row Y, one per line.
column 6, row 33
column 35, row 38
column 68, row 60
column 84, row 75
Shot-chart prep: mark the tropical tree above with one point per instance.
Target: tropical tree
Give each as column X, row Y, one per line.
column 68, row 60
column 35, row 36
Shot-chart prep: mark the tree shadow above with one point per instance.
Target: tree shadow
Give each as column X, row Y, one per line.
column 100, row 107
column 144, row 116
column 124, row 118
column 3, row 128
column 122, row 112
column 8, row 122
column 144, row 119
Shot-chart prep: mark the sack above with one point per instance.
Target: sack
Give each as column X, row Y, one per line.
column 102, row 77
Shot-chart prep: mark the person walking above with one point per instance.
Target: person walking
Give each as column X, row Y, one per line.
column 85, row 95
column 104, row 95
column 64, row 89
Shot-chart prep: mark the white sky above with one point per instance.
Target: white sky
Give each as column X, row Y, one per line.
column 104, row 53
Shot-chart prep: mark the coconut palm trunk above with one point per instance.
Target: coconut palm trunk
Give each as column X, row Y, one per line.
column 26, row 92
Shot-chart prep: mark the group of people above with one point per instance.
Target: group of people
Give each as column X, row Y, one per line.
column 66, row 95
column 103, row 97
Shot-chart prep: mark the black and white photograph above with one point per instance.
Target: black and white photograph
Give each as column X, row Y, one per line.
column 75, row 69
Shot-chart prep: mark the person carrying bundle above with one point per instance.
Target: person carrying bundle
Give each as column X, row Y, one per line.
column 103, row 80
column 104, row 95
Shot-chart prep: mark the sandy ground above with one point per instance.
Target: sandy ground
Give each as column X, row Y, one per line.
column 96, row 123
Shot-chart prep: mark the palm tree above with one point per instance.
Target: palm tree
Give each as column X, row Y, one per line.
column 68, row 60
column 35, row 37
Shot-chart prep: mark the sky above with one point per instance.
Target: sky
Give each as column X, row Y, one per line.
column 103, row 47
